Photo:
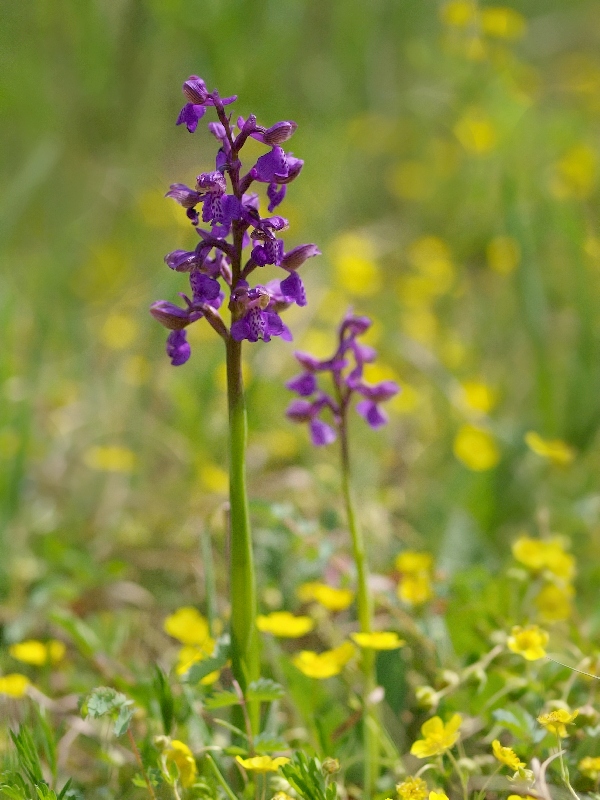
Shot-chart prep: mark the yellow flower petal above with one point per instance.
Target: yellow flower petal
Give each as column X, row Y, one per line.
column 555, row 450
column 29, row 652
column 187, row 625
column 506, row 756
column 262, row 763
column 378, row 640
column 284, row 624
column 476, row 448
column 412, row 788
column 14, row 685
column 331, row 598
column 323, row 665
column 181, row 755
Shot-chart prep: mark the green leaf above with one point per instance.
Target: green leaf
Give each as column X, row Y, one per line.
column 84, row 637
column 264, row 690
column 103, row 700
column 123, row 719
column 221, row 700
column 162, row 689
column 266, row 743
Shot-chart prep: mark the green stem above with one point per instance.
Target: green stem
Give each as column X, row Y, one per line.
column 365, row 618
column 242, row 587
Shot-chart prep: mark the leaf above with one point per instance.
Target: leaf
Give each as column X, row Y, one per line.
column 264, row 690
column 216, row 662
column 221, row 700
column 124, row 718
column 266, row 743
column 162, row 688
column 103, row 700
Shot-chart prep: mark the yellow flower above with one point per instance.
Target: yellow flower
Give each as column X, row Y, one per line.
column 503, row 23
column 412, row 789
column 528, row 642
column 438, row 796
column 415, row 589
column 119, row 331
column 110, row 458
column 352, row 257
column 14, row 685
column 541, row 554
column 437, row 737
column 476, row 132
column 262, row 763
column 476, row 448
column 378, row 640
column 187, row 625
column 503, row 254
column 590, row 767
column 554, row 602
column 323, row 665
column 284, row 624
column 555, row 721
column 478, row 396
column 555, row 450
column 459, row 13
column 331, row 598
column 38, row 653
column 411, row 562
column 507, row 756
column 180, row 754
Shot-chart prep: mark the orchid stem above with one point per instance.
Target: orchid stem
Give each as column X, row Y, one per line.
column 242, row 586
column 365, row 618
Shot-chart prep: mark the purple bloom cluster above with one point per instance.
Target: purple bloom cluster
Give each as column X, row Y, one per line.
column 346, row 368
column 221, row 200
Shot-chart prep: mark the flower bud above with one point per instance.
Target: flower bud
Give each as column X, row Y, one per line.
column 330, row 766
column 279, row 133
column 195, row 91
column 298, row 255
column 427, row 697
column 170, row 315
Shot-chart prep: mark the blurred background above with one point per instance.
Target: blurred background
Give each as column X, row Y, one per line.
column 451, row 181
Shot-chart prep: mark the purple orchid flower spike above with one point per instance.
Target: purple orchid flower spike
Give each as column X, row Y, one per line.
column 346, row 370
column 223, row 203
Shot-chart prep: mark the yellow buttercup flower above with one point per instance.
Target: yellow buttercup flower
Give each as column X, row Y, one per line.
column 180, row 754
column 478, row 396
column 411, row 562
column 590, row 767
column 110, row 458
column 503, row 23
column 262, row 763
column 476, row 448
column 187, row 625
column 556, row 721
column 284, row 624
column 438, row 796
column 459, row 13
column 14, row 685
column 554, row 602
column 545, row 554
column 38, row 653
column 378, row 640
column 507, row 756
column 415, row 589
column 437, row 737
column 412, row 789
column 476, row 132
column 528, row 642
column 323, row 665
column 555, row 450
column 328, row 596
